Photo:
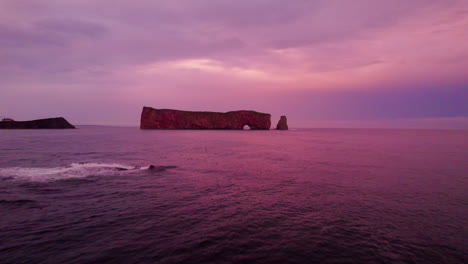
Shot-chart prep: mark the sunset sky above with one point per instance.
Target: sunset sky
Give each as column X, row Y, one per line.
column 322, row 63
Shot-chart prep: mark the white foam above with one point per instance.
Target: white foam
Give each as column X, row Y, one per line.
column 101, row 165
column 74, row 170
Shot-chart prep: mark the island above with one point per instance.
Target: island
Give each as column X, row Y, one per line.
column 152, row 118
column 48, row 123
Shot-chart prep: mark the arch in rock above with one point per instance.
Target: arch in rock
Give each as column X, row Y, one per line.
column 152, row 118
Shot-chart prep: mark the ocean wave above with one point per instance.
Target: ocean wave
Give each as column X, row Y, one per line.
column 74, row 170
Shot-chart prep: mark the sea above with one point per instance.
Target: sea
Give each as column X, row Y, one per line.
column 125, row 195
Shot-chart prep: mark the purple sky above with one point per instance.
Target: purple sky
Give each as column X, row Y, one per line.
column 323, row 63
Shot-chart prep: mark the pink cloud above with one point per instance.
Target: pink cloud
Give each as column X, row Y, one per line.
column 222, row 54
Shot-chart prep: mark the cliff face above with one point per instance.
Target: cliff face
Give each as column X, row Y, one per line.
column 175, row 119
column 48, row 123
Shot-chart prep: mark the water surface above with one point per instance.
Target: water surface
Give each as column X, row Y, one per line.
column 302, row 196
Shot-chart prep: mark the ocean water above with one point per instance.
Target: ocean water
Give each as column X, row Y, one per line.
column 298, row 196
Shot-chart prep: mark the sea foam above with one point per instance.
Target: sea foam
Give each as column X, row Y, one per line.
column 74, row 170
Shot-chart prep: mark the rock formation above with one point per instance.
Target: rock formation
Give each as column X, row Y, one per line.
column 175, row 119
column 48, row 123
column 282, row 123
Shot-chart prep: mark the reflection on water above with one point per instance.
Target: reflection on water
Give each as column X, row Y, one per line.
column 304, row 196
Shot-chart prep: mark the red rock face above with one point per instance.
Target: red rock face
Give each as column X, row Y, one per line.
column 282, row 123
column 175, row 119
column 48, row 123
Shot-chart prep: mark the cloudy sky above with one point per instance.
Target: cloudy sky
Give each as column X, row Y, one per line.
column 323, row 63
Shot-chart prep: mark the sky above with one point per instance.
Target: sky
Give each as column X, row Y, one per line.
column 322, row 63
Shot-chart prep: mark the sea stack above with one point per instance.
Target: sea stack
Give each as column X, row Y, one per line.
column 176, row 119
column 48, row 123
column 282, row 123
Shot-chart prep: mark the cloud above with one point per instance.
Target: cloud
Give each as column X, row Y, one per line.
column 229, row 49
column 67, row 26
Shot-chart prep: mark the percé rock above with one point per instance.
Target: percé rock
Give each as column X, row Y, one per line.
column 176, row 119
column 282, row 123
column 48, row 123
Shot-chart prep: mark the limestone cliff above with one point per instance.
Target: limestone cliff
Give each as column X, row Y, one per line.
column 48, row 123
column 175, row 119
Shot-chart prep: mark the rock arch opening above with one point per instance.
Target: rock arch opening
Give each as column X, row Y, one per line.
column 246, row 127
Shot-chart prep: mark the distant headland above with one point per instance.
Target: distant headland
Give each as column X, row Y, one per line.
column 48, row 123
column 152, row 118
